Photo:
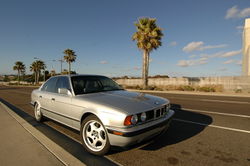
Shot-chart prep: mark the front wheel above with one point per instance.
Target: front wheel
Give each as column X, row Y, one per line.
column 38, row 113
column 94, row 136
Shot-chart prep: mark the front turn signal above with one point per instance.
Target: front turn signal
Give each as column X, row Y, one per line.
column 127, row 120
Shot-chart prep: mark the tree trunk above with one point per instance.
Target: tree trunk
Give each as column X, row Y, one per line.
column 69, row 68
column 38, row 75
column 144, row 70
column 44, row 75
column 35, row 76
column 147, row 69
column 18, row 77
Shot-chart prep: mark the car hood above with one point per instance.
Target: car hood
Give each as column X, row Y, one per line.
column 121, row 100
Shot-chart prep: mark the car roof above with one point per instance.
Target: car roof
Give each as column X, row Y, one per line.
column 74, row 75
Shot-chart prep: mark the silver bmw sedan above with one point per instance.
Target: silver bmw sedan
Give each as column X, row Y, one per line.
column 104, row 113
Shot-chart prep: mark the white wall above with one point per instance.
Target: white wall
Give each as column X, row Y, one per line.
column 229, row 83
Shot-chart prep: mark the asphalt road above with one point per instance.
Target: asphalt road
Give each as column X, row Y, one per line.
column 206, row 130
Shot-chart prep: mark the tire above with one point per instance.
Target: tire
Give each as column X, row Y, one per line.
column 94, row 136
column 38, row 113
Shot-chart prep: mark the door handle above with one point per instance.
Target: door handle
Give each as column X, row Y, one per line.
column 53, row 99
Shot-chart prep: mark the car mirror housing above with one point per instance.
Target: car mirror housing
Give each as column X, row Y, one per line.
column 64, row 91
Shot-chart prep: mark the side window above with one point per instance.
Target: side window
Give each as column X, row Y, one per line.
column 49, row 86
column 62, row 82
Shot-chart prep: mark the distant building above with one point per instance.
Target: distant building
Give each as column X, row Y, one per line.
column 246, row 49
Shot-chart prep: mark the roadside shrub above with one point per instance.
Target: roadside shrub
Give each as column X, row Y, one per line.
column 210, row 88
column 206, row 89
column 10, row 83
column 158, row 88
column 128, row 87
column 188, row 88
column 238, row 90
column 218, row 88
column 138, row 87
column 185, row 88
column 151, row 87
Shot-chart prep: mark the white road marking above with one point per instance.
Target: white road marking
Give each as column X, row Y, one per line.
column 195, row 93
column 211, row 100
column 215, row 126
column 226, row 101
column 218, row 113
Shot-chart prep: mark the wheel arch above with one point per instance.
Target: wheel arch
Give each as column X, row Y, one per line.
column 85, row 115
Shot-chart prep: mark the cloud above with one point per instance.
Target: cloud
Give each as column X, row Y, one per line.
column 244, row 13
column 204, row 58
column 199, row 46
column 186, row 63
column 223, row 69
column 234, row 12
column 229, row 61
column 222, row 54
column 240, row 29
column 183, row 63
column 137, row 68
column 230, row 53
column 233, row 61
column 103, row 62
column 193, row 46
column 239, row 62
column 173, row 43
column 192, row 56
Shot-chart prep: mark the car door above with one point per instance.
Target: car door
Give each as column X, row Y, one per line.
column 62, row 103
column 45, row 97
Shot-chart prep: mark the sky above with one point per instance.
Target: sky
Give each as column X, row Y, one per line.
column 201, row 37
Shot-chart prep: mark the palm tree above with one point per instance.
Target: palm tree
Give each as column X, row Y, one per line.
column 148, row 38
column 20, row 67
column 36, row 67
column 69, row 57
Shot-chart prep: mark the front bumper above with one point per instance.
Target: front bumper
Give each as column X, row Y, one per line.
column 138, row 134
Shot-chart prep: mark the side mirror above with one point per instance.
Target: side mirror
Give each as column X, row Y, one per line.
column 64, row 91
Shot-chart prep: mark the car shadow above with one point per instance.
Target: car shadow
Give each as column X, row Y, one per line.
column 185, row 125
column 67, row 143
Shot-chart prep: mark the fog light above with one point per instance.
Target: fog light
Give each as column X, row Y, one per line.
column 143, row 116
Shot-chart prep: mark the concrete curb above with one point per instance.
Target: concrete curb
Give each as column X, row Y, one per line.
column 192, row 93
column 61, row 154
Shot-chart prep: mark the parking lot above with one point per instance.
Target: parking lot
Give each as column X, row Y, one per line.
column 206, row 130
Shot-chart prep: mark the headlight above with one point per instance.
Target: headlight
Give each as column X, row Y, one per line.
column 134, row 119
column 131, row 120
column 143, row 116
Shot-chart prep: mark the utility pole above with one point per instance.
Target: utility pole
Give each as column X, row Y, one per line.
column 61, row 61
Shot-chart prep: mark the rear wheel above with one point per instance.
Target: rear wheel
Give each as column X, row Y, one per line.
column 94, row 136
column 38, row 113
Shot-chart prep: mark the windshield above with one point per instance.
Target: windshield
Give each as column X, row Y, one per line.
column 92, row 84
